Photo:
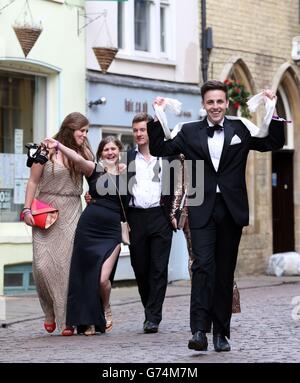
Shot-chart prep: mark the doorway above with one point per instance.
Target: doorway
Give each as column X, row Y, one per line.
column 283, row 201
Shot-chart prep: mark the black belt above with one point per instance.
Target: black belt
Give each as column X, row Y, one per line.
column 133, row 208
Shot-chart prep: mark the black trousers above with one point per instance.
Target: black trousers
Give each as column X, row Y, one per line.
column 215, row 248
column 150, row 245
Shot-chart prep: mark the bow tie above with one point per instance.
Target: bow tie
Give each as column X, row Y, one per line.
column 211, row 129
column 156, row 171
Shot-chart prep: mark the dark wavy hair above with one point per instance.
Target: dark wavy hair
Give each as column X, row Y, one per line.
column 72, row 122
column 105, row 141
column 213, row 85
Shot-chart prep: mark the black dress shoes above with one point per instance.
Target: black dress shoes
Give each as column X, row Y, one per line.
column 150, row 327
column 221, row 343
column 198, row 341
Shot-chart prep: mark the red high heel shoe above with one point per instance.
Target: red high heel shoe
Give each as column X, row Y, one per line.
column 68, row 331
column 49, row 327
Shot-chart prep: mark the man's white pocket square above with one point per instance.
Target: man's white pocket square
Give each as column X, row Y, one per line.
column 235, row 140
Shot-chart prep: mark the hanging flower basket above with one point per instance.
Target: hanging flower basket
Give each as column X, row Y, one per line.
column 105, row 57
column 238, row 97
column 27, row 37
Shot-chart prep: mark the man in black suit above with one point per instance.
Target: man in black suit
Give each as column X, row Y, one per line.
column 216, row 225
column 149, row 219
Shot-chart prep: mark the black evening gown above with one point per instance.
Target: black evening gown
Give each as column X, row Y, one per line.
column 97, row 235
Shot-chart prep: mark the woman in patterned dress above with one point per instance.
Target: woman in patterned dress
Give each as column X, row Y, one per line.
column 97, row 242
column 58, row 183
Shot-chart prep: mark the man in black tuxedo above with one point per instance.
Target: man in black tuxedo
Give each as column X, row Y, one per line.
column 216, row 225
column 149, row 219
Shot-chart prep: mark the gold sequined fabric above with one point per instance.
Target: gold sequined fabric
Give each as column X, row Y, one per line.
column 52, row 248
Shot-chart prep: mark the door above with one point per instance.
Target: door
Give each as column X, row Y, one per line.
column 283, row 201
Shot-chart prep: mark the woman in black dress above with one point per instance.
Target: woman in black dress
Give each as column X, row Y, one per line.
column 97, row 238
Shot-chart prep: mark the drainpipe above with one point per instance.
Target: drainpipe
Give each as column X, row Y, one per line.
column 204, row 51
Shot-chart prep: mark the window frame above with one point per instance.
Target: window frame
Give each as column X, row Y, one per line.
column 24, row 270
column 128, row 33
column 39, row 101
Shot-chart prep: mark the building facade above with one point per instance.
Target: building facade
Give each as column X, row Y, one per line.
column 158, row 54
column 36, row 92
column 254, row 50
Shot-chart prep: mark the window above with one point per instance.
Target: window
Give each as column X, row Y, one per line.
column 31, row 280
column 141, row 25
column 120, row 25
column 144, row 28
column 18, row 279
column 163, row 29
column 13, row 279
column 22, row 107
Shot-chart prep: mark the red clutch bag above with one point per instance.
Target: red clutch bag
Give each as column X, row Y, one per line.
column 43, row 214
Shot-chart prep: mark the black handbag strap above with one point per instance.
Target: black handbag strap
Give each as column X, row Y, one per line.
column 117, row 189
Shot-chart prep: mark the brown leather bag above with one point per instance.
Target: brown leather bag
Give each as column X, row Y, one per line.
column 236, row 305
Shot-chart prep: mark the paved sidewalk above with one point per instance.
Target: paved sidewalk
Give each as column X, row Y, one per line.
column 265, row 331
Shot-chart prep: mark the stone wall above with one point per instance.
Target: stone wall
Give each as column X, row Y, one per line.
column 259, row 35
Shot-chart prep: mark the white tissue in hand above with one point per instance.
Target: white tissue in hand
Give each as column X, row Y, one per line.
column 171, row 105
column 269, row 104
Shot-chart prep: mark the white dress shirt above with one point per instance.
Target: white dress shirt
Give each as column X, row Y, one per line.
column 215, row 146
column 146, row 193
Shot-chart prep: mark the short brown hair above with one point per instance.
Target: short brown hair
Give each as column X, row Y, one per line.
column 213, row 85
column 142, row 117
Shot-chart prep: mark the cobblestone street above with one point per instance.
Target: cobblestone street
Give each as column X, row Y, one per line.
column 264, row 332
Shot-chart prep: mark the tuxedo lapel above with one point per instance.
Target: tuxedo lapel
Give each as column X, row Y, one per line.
column 204, row 140
column 228, row 134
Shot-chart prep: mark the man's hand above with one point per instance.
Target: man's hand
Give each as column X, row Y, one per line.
column 159, row 101
column 87, row 197
column 270, row 94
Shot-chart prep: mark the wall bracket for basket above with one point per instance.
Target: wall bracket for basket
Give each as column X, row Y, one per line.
column 105, row 53
column 89, row 18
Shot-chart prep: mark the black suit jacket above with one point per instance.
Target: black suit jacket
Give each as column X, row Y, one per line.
column 230, row 177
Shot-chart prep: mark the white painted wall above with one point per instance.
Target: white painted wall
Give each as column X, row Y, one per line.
column 58, row 46
column 59, row 54
column 182, row 63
